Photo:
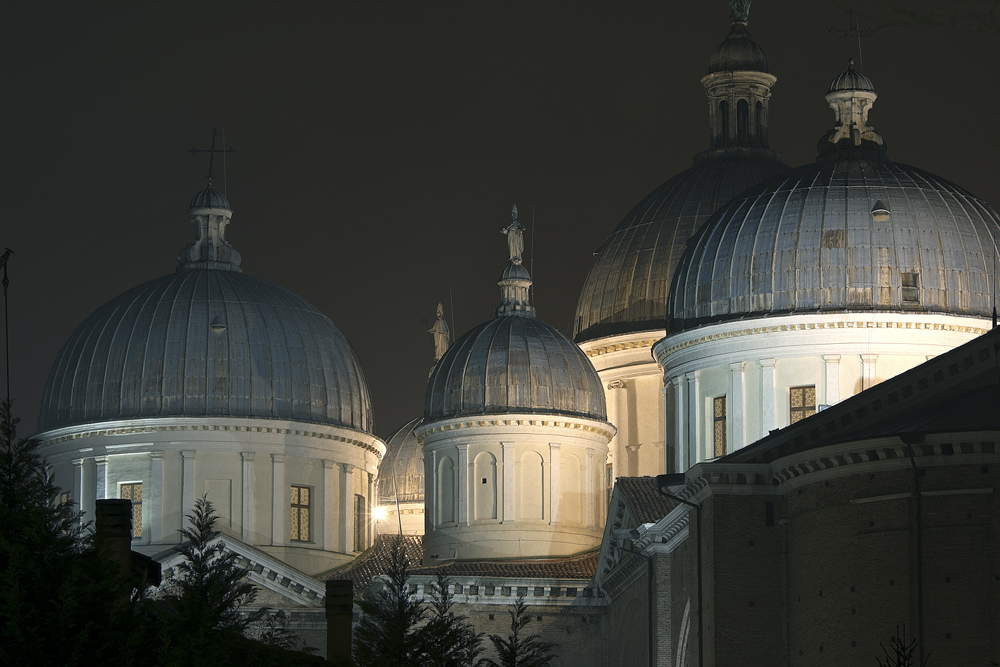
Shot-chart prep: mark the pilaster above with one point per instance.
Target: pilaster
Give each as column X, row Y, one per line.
column 102, row 477
column 463, row 484
column 554, row 494
column 737, row 421
column 507, row 449
column 832, row 364
column 187, row 484
column 767, row 398
column 155, row 506
column 278, row 508
column 247, row 498
column 346, row 508
column 329, row 538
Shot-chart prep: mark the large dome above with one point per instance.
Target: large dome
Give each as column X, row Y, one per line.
column 401, row 472
column 203, row 343
column 851, row 232
column 514, row 364
column 626, row 289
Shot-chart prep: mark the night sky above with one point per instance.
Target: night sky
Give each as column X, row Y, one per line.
column 378, row 142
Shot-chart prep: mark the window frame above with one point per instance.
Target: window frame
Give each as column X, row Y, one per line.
column 136, row 505
column 718, row 419
column 803, row 410
column 300, row 506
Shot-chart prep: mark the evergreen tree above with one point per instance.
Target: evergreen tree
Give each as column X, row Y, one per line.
column 519, row 650
column 61, row 603
column 900, row 653
column 205, row 612
column 390, row 632
column 450, row 640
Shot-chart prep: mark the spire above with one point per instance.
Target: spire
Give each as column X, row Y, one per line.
column 851, row 96
column 514, row 282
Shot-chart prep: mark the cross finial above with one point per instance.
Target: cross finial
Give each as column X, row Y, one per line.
column 853, row 30
column 211, row 154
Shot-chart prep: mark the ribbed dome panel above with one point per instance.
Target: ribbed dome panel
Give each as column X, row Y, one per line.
column 514, row 364
column 401, row 472
column 850, row 234
column 626, row 290
column 207, row 343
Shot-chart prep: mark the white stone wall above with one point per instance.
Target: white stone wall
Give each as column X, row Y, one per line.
column 513, row 486
column 246, row 467
column 755, row 362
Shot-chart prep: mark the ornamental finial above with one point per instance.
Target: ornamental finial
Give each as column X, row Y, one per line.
column 740, row 11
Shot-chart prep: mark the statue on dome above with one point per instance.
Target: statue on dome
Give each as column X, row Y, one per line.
column 441, row 334
column 739, row 11
column 515, row 237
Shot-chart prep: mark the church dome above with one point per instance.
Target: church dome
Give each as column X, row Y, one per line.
column 626, row 289
column 401, row 473
column 738, row 52
column 851, row 232
column 210, row 198
column 851, row 80
column 514, row 363
column 206, row 343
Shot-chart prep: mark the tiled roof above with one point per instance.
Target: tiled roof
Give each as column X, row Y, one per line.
column 578, row 566
column 643, row 499
column 375, row 561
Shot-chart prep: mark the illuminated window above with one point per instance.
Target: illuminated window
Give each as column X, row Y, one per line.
column 133, row 492
column 802, row 402
column 360, row 522
column 719, row 425
column 300, row 513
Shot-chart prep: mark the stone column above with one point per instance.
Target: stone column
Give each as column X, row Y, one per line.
column 79, row 484
column 737, row 422
column 667, row 432
column 694, row 421
column 591, row 492
column 619, row 401
column 329, row 539
column 187, row 485
column 832, row 362
column 371, row 506
column 868, row 370
column 278, row 509
column 248, row 499
column 554, row 483
column 681, row 449
column 346, row 507
column 463, row 484
column 767, row 420
column 102, row 477
column 155, row 505
column 508, row 482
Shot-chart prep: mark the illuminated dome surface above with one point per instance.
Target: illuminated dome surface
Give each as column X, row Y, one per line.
column 401, row 473
column 850, row 232
column 207, row 343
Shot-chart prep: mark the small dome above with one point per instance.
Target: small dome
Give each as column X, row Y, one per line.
column 847, row 233
column 851, row 80
column 401, row 473
column 626, row 289
column 207, row 343
column 514, row 364
column 738, row 53
column 210, row 198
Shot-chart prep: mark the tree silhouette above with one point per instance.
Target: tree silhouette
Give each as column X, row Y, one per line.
column 519, row 650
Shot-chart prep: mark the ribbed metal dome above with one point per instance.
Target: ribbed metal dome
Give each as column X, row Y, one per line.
column 851, row 80
column 738, row 53
column 207, row 343
column 401, row 473
column 626, row 290
column 514, row 364
column 210, row 198
column 850, row 232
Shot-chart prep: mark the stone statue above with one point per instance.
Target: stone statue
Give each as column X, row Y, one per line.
column 515, row 238
column 740, row 11
column 441, row 334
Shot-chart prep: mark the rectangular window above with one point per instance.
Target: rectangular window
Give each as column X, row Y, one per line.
column 802, row 402
column 719, row 425
column 360, row 522
column 133, row 492
column 300, row 513
column 911, row 287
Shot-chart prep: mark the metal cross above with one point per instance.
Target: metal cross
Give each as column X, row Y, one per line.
column 211, row 153
column 853, row 28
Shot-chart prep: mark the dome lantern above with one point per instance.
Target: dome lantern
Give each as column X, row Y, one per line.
column 851, row 96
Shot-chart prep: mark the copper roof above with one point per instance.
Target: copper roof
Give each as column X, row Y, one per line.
column 647, row 505
column 579, row 566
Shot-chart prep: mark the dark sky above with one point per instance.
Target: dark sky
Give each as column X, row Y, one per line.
column 378, row 142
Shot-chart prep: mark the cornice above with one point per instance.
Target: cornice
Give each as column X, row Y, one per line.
column 602, row 429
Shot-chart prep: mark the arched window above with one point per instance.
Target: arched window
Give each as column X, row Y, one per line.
column 758, row 113
column 445, row 489
column 531, row 487
column 742, row 122
column 724, row 121
column 485, row 481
